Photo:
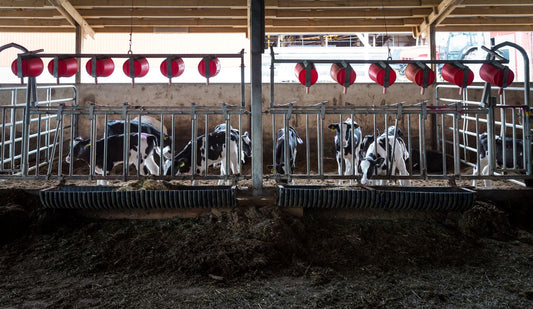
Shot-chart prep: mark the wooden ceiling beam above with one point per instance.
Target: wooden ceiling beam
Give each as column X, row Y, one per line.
column 35, row 23
column 29, row 13
column 351, row 13
column 312, row 4
column 493, row 11
column 193, row 22
column 482, row 20
column 333, row 30
column 70, row 13
column 167, row 12
column 89, row 4
column 441, row 12
column 341, row 23
column 488, row 3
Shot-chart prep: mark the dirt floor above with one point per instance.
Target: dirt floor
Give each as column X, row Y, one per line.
column 262, row 257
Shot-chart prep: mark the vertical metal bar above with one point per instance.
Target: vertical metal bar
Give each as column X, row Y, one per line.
column 503, row 127
column 71, row 145
column 173, row 145
column 92, row 140
column 320, row 144
column 352, row 134
column 3, row 146
column 240, row 156
column 341, row 147
column 139, row 140
column 227, row 140
column 26, row 128
column 194, row 127
column 243, row 90
column 443, row 145
column 513, row 119
column 126, row 141
column 274, row 141
column 422, row 133
column 307, row 147
column 38, row 154
column 409, row 148
column 490, row 132
column 456, row 150
column 61, row 139
column 257, row 36
column 206, row 143
column 12, row 131
column 106, row 142
column 286, row 145
column 162, row 136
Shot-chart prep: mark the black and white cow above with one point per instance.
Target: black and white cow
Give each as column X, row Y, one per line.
column 81, row 150
column 498, row 146
column 346, row 132
column 343, row 139
column 377, row 161
column 216, row 154
column 293, row 141
column 246, row 142
column 116, row 127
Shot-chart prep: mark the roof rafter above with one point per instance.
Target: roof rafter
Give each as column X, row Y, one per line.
column 71, row 14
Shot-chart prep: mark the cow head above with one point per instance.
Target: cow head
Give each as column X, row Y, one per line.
column 368, row 165
column 246, row 145
column 182, row 165
column 345, row 128
column 79, row 147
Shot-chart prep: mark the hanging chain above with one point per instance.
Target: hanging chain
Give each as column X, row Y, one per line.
column 131, row 28
column 387, row 42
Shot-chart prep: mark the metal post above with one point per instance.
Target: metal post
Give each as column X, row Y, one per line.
column 257, row 25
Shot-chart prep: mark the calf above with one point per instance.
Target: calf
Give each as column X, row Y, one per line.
column 346, row 132
column 151, row 121
column 293, row 141
column 509, row 159
column 116, row 127
column 216, row 154
column 81, row 150
column 378, row 161
column 246, row 143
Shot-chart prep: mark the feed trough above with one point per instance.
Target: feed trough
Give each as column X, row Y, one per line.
column 107, row 197
column 421, row 198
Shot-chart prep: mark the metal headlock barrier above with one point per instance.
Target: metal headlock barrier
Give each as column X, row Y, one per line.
column 454, row 119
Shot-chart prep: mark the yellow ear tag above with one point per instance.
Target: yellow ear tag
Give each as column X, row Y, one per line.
column 333, row 129
column 88, row 144
column 165, row 138
column 182, row 164
column 271, row 171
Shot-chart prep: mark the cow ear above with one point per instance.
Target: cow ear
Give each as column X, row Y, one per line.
column 333, row 127
column 380, row 160
column 299, row 140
